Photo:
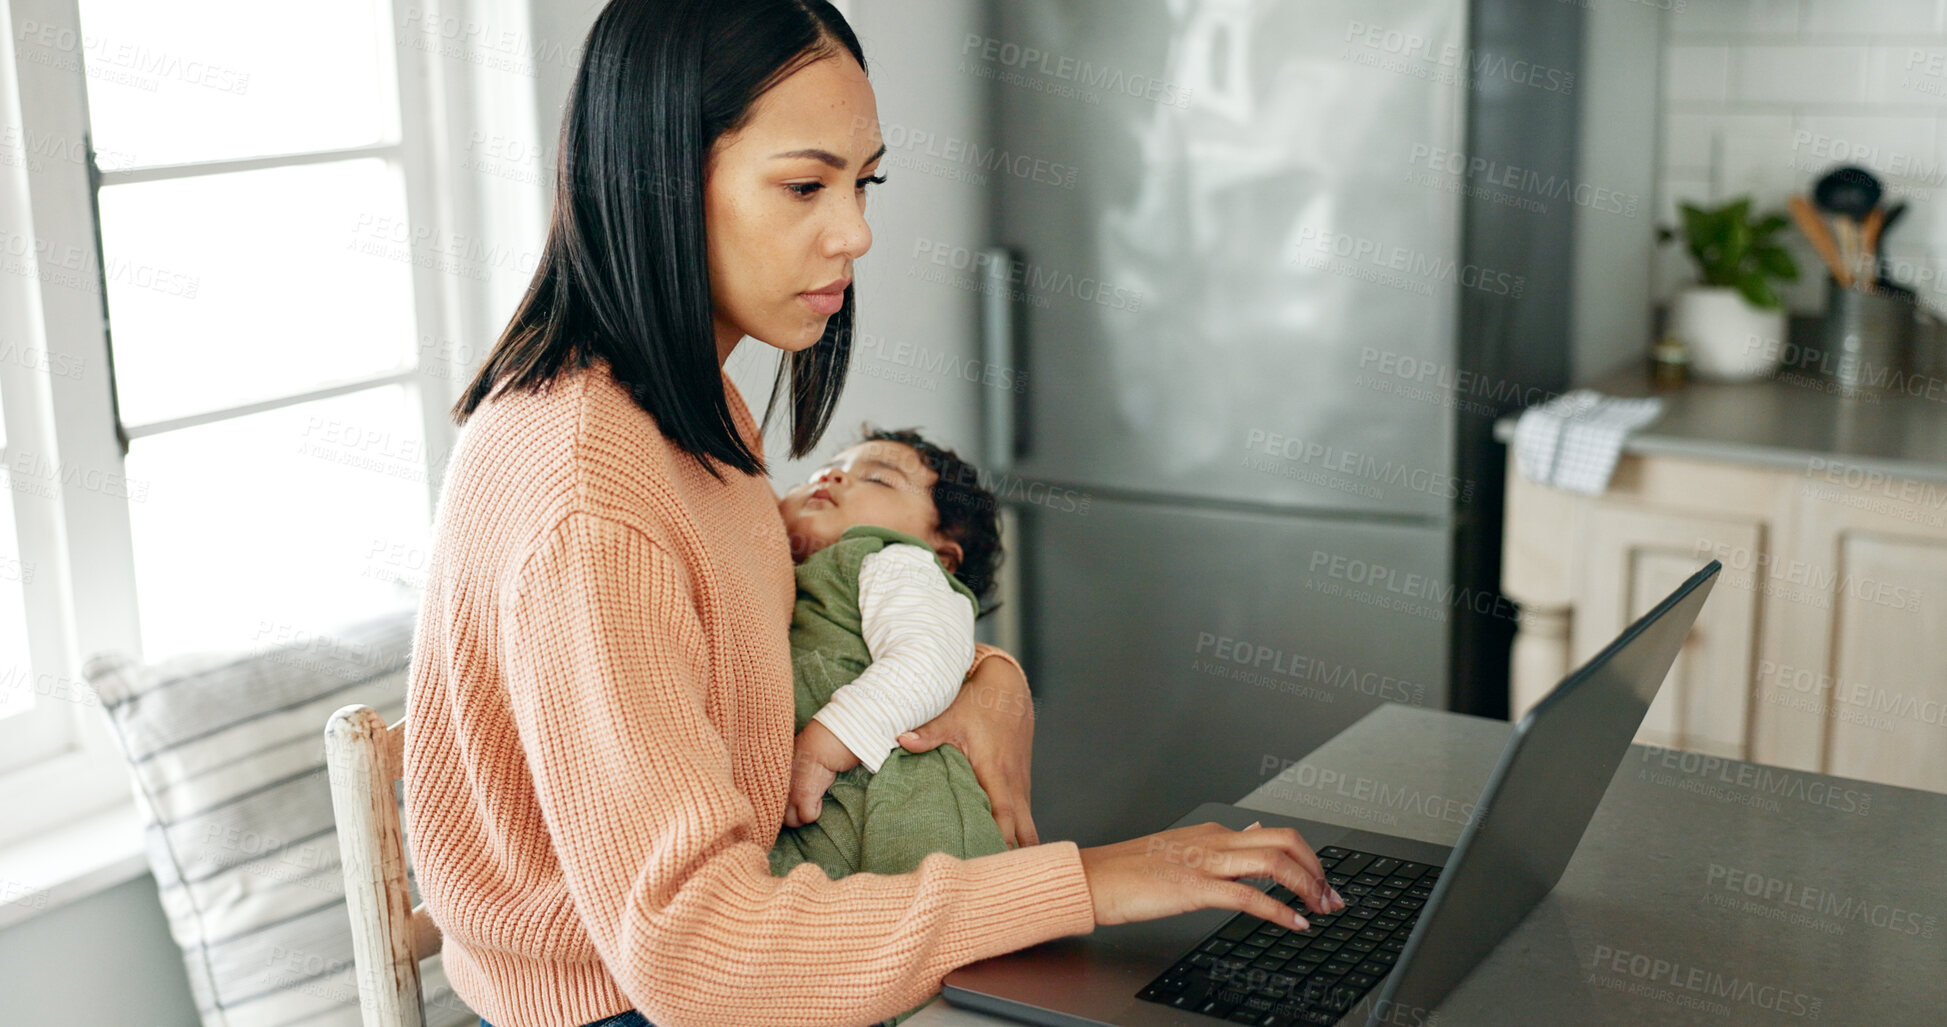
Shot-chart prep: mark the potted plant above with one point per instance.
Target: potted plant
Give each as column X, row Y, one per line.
column 1732, row 320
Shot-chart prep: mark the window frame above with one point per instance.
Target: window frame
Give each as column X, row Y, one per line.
column 82, row 600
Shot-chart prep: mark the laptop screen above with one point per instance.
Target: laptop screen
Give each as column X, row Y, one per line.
column 1537, row 804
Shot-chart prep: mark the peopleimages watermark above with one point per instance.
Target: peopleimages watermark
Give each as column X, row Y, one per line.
column 1422, row 595
column 1813, row 905
column 1878, row 492
column 13, row 568
column 1850, row 701
column 1409, row 53
column 47, row 685
column 44, row 360
column 1817, row 367
column 397, row 239
column 1692, row 986
column 124, row 63
column 1361, row 466
column 1750, row 784
column 1270, row 664
column 381, row 451
column 72, row 267
column 22, row 894
column 20, row 146
column 940, row 364
column 1371, row 793
column 1036, row 278
column 1523, row 185
column 1802, row 582
column 37, row 474
column 1017, row 58
column 954, row 150
column 1398, row 267
column 1902, row 172
column 487, row 45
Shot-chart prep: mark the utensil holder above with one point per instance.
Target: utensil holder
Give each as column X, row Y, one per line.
column 1866, row 340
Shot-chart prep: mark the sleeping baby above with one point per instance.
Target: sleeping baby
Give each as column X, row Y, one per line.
column 896, row 544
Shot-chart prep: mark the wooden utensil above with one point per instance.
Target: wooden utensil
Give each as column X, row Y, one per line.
column 1814, row 228
column 1869, row 242
column 1847, row 232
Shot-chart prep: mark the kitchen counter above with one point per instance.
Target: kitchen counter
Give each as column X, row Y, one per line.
column 1707, row 890
column 1788, row 423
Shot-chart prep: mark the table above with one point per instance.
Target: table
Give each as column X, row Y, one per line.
column 1706, row 891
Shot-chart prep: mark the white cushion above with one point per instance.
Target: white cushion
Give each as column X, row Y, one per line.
column 227, row 755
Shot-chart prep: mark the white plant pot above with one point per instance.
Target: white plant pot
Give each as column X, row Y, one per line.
column 1729, row 339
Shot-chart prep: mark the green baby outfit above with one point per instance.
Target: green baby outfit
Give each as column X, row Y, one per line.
column 918, row 803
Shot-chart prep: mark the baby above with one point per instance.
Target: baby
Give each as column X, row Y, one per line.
column 896, row 544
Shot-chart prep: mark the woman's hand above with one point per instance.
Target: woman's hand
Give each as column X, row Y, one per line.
column 1197, row 867
column 991, row 721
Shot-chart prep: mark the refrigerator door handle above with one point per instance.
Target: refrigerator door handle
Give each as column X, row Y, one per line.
column 997, row 343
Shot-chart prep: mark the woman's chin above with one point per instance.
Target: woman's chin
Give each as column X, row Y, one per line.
column 800, row 337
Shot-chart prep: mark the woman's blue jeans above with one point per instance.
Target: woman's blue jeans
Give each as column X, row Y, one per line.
column 628, row 1019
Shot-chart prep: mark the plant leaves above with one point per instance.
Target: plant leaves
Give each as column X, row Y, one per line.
column 1777, row 262
column 1733, row 250
column 1758, row 292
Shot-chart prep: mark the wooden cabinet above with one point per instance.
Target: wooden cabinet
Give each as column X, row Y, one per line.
column 1823, row 646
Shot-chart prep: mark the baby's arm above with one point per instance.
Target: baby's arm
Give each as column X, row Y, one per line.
column 920, row 633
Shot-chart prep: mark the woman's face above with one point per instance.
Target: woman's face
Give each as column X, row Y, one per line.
column 784, row 206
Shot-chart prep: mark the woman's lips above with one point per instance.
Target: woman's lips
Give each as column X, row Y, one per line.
column 824, row 304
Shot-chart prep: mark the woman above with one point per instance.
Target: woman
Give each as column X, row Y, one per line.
column 600, row 718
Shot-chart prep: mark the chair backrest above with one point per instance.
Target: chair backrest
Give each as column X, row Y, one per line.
column 389, row 935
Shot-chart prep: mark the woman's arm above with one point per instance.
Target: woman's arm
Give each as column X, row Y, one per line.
column 992, row 722
column 606, row 668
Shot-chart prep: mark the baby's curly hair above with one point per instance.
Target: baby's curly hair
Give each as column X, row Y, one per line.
column 969, row 513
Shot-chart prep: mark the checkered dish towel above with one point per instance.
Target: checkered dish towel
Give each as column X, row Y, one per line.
column 1572, row 441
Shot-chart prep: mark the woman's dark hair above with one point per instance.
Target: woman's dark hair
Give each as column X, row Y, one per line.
column 969, row 513
column 624, row 273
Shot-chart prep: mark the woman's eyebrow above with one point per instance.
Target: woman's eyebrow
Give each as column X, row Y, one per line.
column 826, row 156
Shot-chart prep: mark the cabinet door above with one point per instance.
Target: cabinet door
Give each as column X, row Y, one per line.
column 1633, row 558
column 1886, row 696
column 1853, row 678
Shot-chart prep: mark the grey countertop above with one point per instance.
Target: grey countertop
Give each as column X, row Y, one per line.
column 1788, row 422
column 1706, row 891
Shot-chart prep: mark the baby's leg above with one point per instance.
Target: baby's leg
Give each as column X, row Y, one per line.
column 920, row 803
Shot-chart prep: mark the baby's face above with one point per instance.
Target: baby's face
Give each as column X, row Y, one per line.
column 879, row 483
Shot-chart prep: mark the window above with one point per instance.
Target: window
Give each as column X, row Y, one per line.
column 226, row 346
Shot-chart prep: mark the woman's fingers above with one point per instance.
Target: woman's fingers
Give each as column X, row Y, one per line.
column 1292, row 863
column 1024, row 826
column 1243, row 897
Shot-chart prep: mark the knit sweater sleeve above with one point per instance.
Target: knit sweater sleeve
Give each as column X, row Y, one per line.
column 606, row 668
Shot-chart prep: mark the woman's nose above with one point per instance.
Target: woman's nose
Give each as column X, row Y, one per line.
column 851, row 236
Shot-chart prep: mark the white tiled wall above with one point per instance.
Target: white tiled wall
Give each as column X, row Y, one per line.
column 1763, row 96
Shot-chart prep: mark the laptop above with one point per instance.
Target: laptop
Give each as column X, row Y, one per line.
column 1419, row 917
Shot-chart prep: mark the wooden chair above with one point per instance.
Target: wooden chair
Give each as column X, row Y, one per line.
column 389, row 935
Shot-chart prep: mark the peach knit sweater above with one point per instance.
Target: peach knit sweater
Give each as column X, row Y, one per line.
column 599, row 743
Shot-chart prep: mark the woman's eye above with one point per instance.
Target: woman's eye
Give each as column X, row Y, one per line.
column 805, row 189
column 874, row 179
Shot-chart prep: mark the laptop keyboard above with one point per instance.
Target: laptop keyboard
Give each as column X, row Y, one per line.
column 1254, row 971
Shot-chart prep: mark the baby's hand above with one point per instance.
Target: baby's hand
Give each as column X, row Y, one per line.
column 815, row 763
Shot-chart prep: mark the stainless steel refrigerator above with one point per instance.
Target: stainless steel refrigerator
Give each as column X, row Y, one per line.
column 1232, row 310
